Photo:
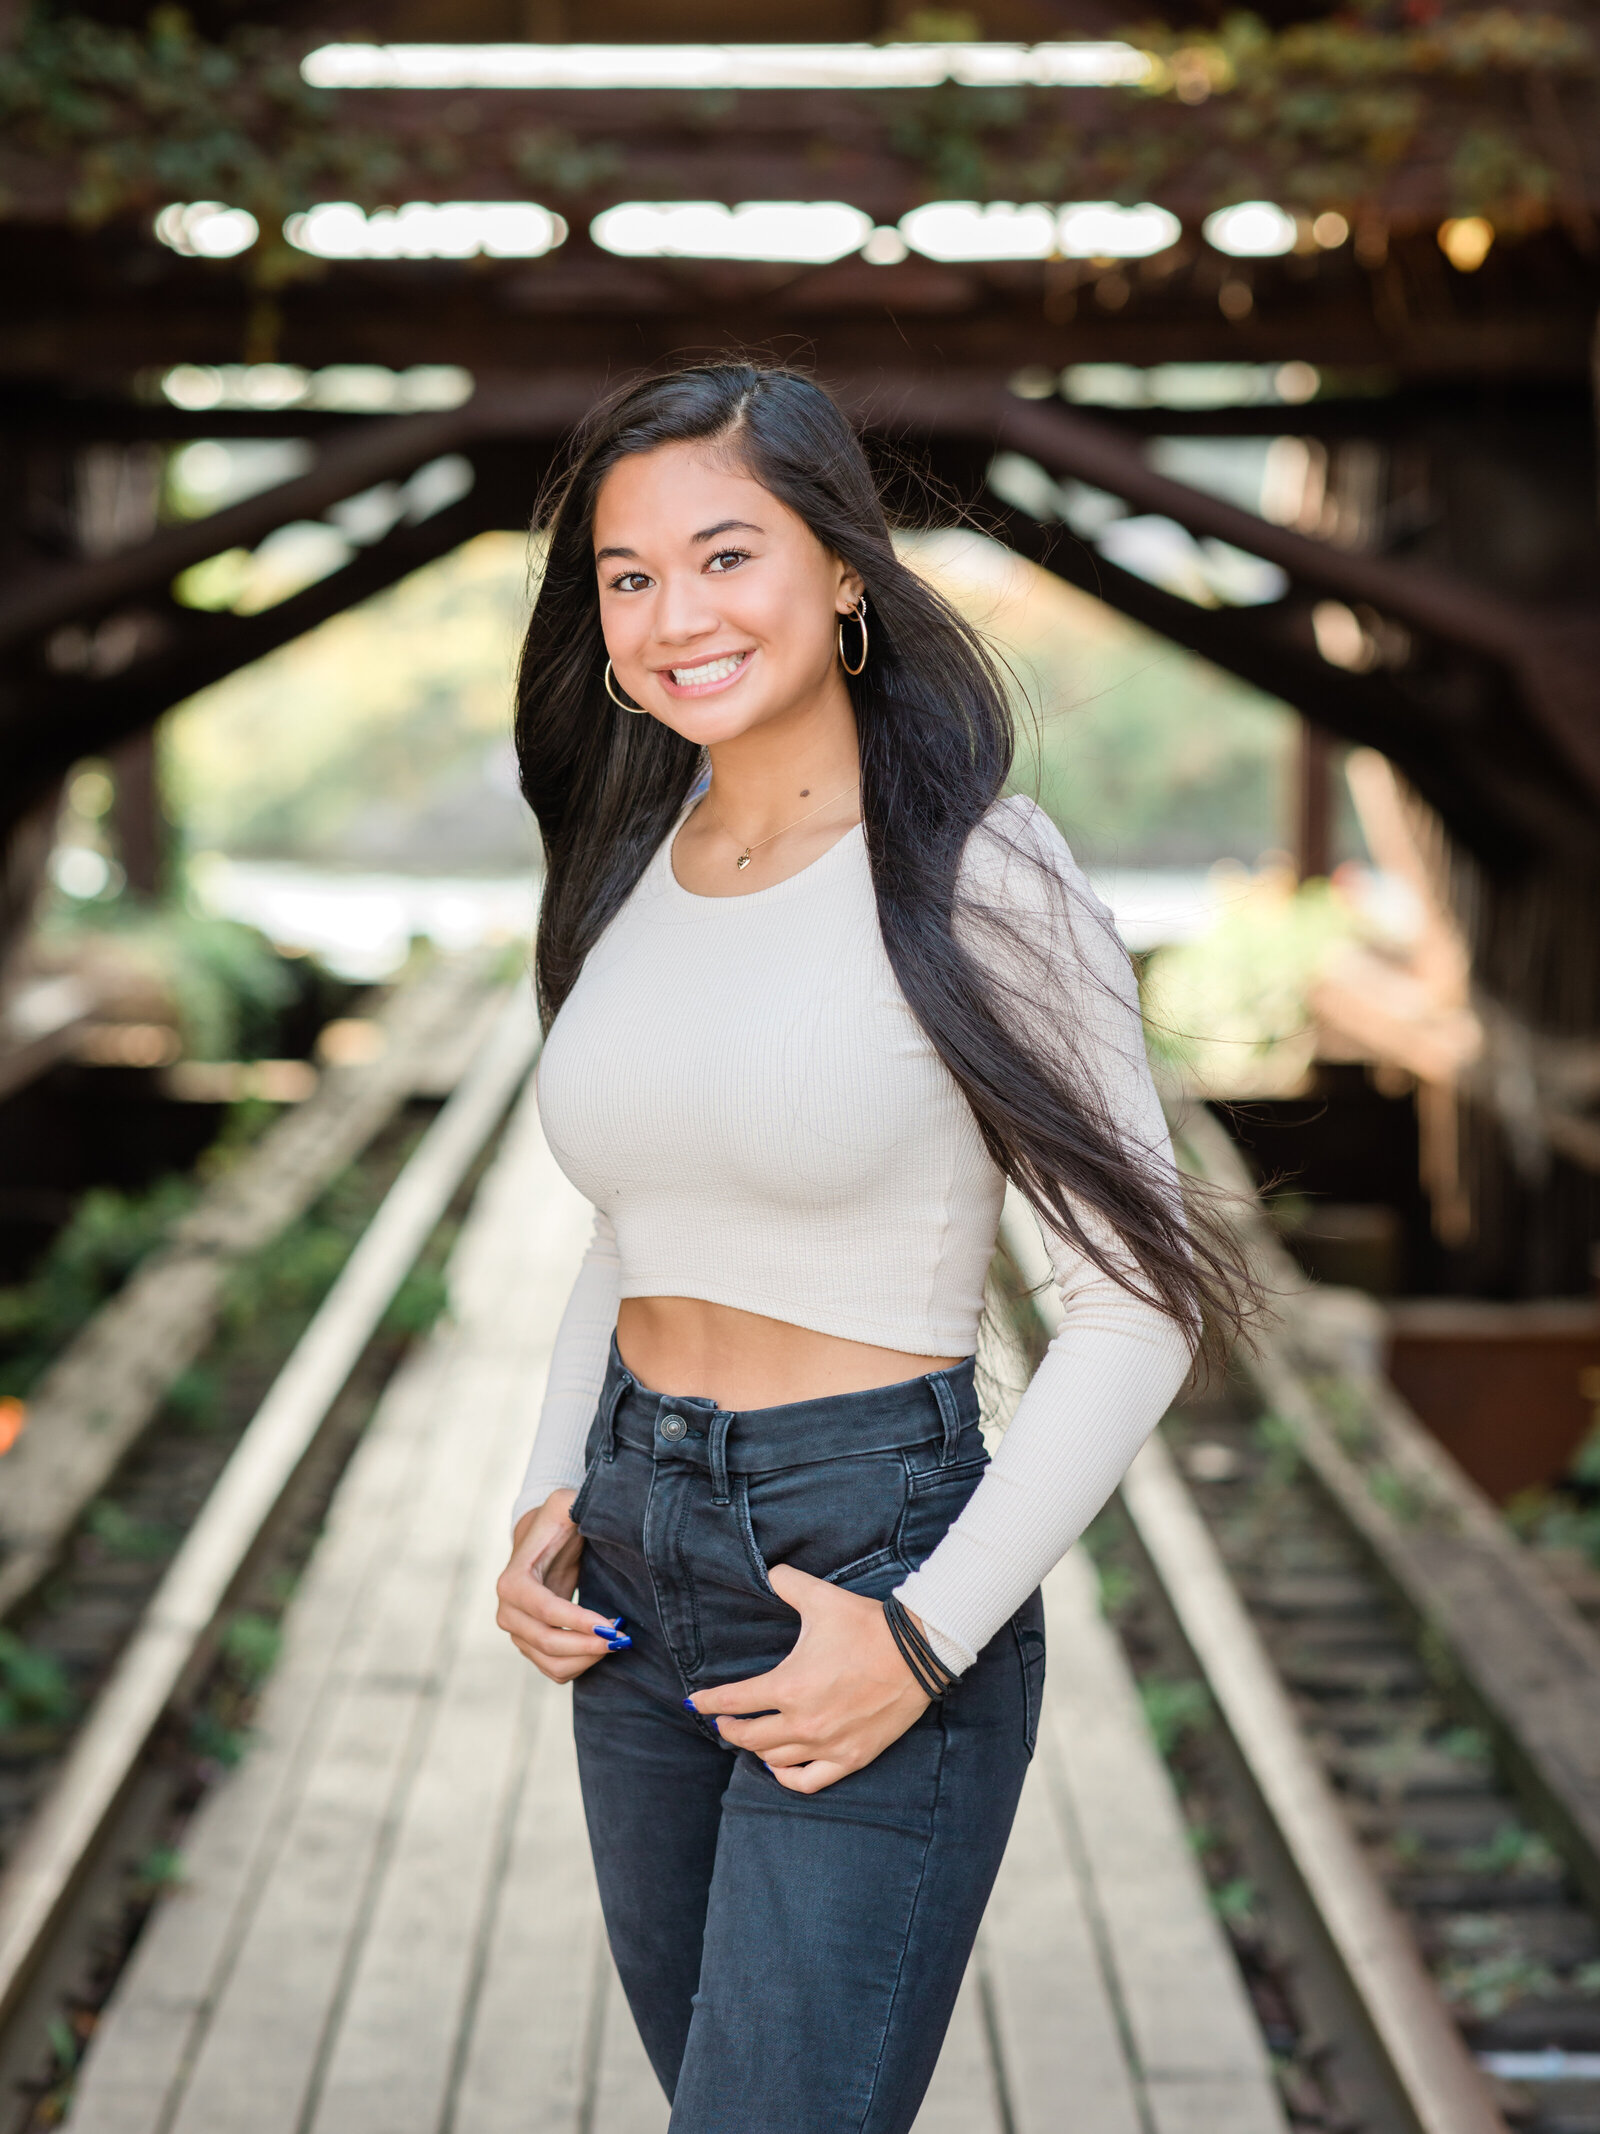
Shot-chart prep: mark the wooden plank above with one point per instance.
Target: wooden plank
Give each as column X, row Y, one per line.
column 404, row 1469
column 91, row 1406
column 1191, row 2030
column 1053, row 2016
column 46, row 1865
column 392, row 2061
column 531, row 2034
column 962, row 2097
column 258, row 2059
column 628, row 2098
column 149, row 2027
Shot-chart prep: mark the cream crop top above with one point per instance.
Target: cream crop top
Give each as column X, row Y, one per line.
column 739, row 1087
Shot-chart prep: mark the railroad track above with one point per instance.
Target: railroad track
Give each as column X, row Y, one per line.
column 1409, row 1747
column 1501, row 1922
column 65, row 1891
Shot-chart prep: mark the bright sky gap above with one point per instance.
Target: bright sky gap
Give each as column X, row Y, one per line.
column 722, row 66
column 801, row 231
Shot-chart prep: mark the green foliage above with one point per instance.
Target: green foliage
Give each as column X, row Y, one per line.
column 374, row 715
column 143, row 116
column 195, row 1397
column 1336, row 113
column 1234, row 1004
column 1466, row 1745
column 116, row 1529
column 32, row 1684
column 211, row 1738
column 227, row 983
column 1173, row 1710
column 1394, row 1494
column 1119, row 1589
column 1282, row 1449
column 1513, row 1850
column 418, row 1302
column 1348, row 112
column 161, row 1868
column 250, row 1646
column 1235, row 1902
column 108, row 1235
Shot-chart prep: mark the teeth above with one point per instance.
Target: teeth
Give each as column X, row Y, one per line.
column 714, row 670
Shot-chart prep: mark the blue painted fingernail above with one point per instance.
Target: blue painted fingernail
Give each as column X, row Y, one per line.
column 602, row 1630
column 688, row 1705
column 619, row 1644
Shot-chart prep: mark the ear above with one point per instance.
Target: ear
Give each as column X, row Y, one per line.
column 850, row 589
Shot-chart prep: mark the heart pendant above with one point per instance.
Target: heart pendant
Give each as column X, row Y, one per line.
column 742, row 861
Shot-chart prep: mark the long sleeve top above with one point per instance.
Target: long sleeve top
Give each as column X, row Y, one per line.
column 740, row 1088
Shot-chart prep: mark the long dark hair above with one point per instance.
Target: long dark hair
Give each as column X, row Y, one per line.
column 936, row 742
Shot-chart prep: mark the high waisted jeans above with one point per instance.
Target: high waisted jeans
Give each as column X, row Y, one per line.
column 791, row 1960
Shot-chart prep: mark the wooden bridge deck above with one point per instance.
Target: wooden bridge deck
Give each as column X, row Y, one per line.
column 387, row 1918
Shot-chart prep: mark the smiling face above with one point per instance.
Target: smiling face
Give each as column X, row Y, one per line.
column 719, row 606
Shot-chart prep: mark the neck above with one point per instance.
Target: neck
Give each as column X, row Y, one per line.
column 762, row 779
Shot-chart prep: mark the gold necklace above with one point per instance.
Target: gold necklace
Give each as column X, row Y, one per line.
column 743, row 860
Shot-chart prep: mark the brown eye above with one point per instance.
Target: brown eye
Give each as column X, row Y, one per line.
column 728, row 559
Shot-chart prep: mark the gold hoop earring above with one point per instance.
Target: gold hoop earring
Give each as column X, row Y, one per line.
column 621, row 701
column 859, row 611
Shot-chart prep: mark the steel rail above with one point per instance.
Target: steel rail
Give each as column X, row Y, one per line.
column 1432, row 2072
column 60, row 1841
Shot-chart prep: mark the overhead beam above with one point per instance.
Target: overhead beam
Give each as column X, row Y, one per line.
column 1465, row 726
column 70, row 317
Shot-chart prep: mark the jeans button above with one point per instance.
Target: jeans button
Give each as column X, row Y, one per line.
column 673, row 1426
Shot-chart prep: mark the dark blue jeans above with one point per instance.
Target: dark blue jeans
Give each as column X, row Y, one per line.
column 791, row 1960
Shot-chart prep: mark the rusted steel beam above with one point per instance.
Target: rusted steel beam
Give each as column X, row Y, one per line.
column 1546, row 656
column 1062, row 440
column 47, row 726
column 369, row 453
column 1552, row 657
column 64, row 312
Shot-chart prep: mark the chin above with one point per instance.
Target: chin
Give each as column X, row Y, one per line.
column 706, row 721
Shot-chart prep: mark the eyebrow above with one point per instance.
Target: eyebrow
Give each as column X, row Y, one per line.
column 707, row 533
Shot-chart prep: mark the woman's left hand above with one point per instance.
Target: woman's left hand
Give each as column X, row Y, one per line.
column 839, row 1699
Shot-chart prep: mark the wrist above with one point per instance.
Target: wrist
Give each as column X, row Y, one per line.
column 541, row 1514
column 929, row 1672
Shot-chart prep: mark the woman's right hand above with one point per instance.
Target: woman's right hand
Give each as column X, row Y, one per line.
column 537, row 1610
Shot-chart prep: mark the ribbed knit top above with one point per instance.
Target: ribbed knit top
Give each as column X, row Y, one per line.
column 740, row 1088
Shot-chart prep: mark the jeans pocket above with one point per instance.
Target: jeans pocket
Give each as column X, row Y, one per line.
column 1027, row 1628
column 829, row 1518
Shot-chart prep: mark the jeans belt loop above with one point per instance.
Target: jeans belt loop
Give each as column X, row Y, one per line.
column 608, row 1436
column 950, row 1413
column 719, row 1456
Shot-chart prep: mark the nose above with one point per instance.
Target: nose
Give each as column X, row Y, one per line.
column 683, row 611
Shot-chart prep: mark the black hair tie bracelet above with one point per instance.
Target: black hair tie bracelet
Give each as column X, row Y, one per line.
column 932, row 1676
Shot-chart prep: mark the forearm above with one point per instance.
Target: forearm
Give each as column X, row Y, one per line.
column 577, row 1372
column 1104, row 1384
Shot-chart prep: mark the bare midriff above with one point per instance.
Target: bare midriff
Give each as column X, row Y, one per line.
column 741, row 1359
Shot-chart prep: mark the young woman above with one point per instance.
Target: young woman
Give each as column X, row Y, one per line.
column 804, row 1021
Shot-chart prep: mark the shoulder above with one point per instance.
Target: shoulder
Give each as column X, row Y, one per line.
column 1017, row 858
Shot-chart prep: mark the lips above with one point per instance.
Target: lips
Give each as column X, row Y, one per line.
column 704, row 677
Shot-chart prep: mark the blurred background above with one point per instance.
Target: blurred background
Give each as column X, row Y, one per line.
column 1233, row 370
column 300, row 303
